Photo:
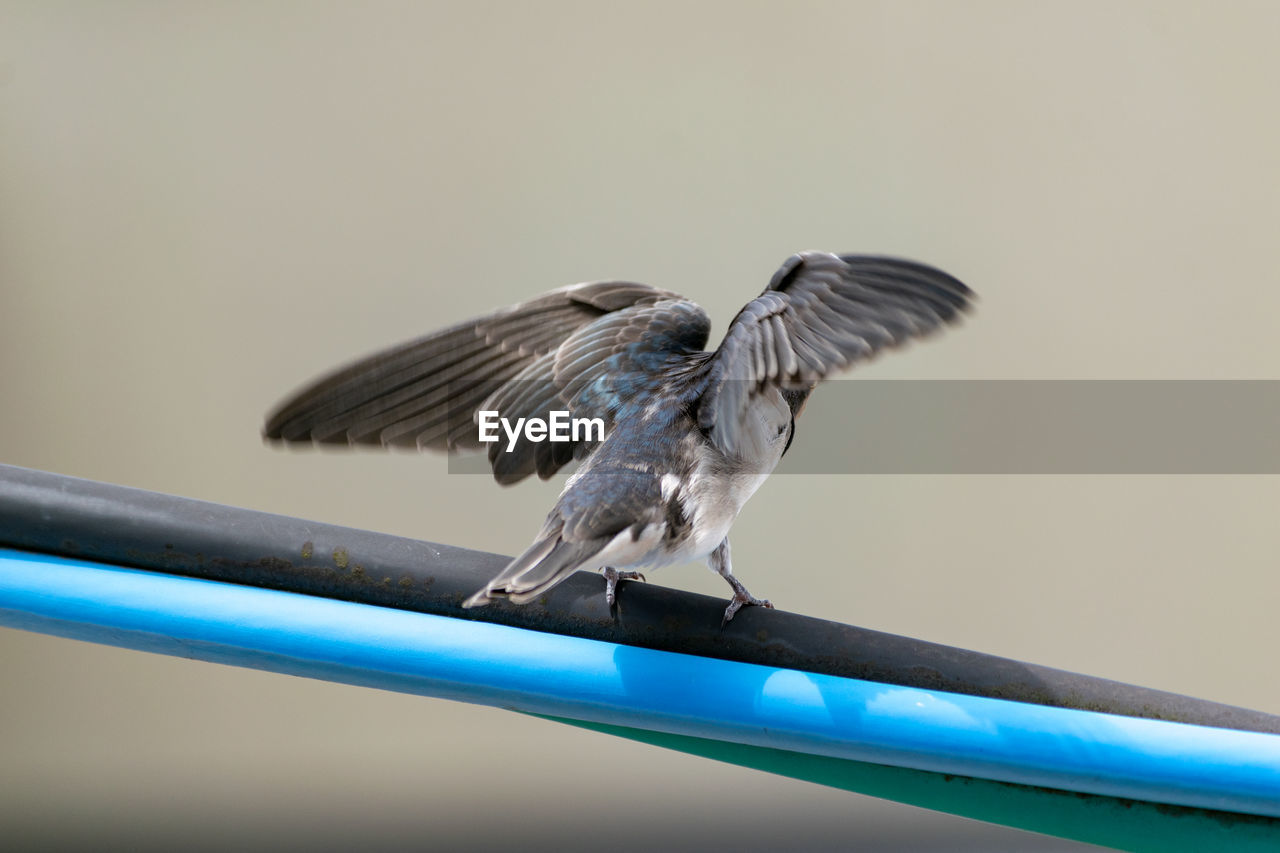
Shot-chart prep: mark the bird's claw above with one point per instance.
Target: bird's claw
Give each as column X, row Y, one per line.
column 739, row 601
column 611, row 578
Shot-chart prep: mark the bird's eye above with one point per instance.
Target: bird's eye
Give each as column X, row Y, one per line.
column 782, row 430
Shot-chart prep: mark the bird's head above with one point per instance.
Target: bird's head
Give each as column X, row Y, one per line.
column 797, row 397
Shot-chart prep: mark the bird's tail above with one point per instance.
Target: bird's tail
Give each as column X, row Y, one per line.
column 547, row 562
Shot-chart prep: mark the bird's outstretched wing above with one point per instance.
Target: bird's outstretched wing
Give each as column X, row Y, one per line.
column 607, row 369
column 819, row 314
column 425, row 393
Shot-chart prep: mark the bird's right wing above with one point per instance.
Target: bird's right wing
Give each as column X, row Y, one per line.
column 820, row 313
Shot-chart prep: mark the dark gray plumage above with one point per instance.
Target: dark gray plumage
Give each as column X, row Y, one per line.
column 689, row 434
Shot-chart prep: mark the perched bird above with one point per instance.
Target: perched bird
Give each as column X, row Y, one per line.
column 684, row 436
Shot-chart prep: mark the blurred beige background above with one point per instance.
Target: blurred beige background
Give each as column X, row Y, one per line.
column 203, row 205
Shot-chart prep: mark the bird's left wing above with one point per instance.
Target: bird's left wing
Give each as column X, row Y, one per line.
column 820, row 313
column 608, row 369
column 425, row 393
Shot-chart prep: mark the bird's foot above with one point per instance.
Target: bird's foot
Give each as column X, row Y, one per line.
column 741, row 598
column 611, row 578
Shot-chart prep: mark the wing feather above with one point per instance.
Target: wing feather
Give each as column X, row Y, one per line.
column 425, row 393
column 821, row 313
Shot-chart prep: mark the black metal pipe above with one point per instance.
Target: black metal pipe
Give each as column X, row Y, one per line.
column 62, row 515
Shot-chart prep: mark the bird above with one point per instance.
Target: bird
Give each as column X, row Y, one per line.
column 684, row 435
